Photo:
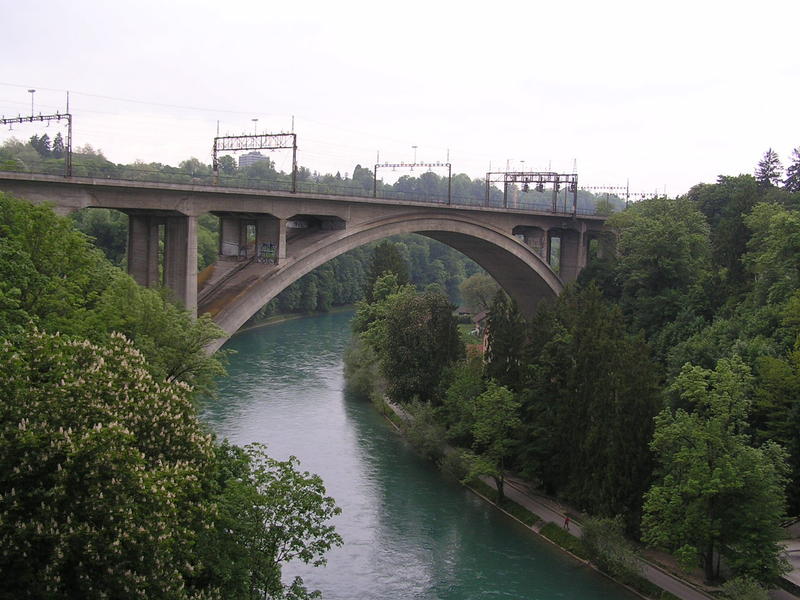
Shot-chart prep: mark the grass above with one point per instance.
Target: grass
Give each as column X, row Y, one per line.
column 387, row 411
column 518, row 511
column 562, row 537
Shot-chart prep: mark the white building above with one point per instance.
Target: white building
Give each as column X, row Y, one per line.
column 245, row 160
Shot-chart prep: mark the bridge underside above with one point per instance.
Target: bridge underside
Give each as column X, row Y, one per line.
column 231, row 299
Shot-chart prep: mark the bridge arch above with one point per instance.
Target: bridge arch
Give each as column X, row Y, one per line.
column 519, row 270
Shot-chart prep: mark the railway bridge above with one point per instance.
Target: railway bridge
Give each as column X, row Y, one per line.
column 269, row 239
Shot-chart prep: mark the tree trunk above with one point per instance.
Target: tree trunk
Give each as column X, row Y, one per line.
column 711, row 570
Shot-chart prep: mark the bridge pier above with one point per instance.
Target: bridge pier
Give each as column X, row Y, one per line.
column 266, row 229
column 180, row 254
column 180, row 259
column 143, row 238
column 573, row 250
column 272, row 230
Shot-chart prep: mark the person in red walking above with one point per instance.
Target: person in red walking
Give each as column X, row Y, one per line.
column 566, row 523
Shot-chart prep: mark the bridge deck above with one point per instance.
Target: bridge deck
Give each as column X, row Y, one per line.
column 214, row 192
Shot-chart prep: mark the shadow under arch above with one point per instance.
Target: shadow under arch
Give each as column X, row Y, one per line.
column 516, row 267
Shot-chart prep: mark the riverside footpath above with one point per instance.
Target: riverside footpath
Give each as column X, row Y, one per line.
column 550, row 511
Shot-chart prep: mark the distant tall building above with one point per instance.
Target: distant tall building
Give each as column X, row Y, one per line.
column 245, row 160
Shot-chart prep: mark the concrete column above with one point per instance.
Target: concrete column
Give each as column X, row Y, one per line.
column 540, row 242
column 583, row 248
column 180, row 260
column 143, row 249
column 271, row 230
column 229, row 236
column 281, row 239
column 548, row 247
column 570, row 255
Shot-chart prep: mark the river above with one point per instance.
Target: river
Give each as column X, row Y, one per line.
column 408, row 533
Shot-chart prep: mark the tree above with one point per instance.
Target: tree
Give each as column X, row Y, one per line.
column 41, row 145
column 58, row 146
column 385, row 258
column 792, row 181
column 52, row 277
column 194, row 167
column 100, row 467
column 227, row 165
column 664, row 258
column 111, row 487
column 768, row 171
column 589, row 399
column 716, row 496
column 605, row 542
column 773, row 257
column 506, row 333
column 744, row 588
column 415, row 337
column 465, row 383
column 495, row 421
column 477, row 291
column 268, row 514
column 726, row 205
column 108, row 229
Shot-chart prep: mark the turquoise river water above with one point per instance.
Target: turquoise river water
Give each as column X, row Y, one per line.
column 408, row 532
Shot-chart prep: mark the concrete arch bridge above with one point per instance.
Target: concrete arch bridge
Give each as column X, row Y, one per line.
column 270, row 239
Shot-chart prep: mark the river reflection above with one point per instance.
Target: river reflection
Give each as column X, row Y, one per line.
column 408, row 532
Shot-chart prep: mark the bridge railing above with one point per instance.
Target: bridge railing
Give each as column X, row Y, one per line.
column 526, row 202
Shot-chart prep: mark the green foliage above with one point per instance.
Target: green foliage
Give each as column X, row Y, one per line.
column 52, row 277
column 386, row 258
column 415, row 337
column 477, row 291
column 506, row 340
column 109, row 486
column 49, row 273
column 108, row 230
column 564, row 539
column 457, row 412
column 769, row 169
column 100, row 470
column 792, row 181
column 588, row 406
column 495, row 421
column 360, row 368
column 607, row 547
column 169, row 337
column 424, row 432
column 268, row 514
column 716, row 494
column 776, row 413
column 664, row 257
column 773, row 256
column 744, row 588
column 726, row 205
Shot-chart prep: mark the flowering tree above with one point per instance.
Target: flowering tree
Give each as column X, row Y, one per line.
column 100, row 465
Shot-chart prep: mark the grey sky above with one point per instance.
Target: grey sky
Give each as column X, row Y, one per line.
column 669, row 93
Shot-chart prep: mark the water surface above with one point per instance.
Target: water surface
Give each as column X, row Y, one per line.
column 408, row 532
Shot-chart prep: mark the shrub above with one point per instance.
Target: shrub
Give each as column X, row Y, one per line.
column 744, row 588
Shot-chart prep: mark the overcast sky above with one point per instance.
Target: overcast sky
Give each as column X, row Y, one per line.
column 666, row 94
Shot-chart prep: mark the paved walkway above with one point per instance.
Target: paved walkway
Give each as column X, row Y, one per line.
column 550, row 511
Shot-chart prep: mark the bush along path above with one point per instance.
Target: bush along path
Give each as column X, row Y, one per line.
column 645, row 577
column 548, row 518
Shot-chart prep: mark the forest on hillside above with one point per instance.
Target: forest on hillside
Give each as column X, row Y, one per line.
column 659, row 394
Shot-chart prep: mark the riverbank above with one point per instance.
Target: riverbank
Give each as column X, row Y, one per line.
column 548, row 518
